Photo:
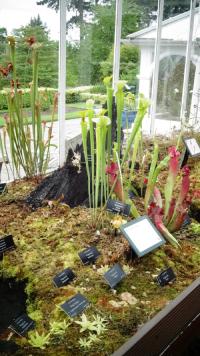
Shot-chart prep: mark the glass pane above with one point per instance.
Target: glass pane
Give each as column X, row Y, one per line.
column 25, row 19
column 193, row 98
column 172, row 59
column 90, row 38
column 137, row 50
column 29, row 23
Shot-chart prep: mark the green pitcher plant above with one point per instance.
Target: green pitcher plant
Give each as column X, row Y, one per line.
column 29, row 143
column 105, row 173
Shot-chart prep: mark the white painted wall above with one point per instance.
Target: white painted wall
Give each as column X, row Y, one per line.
column 195, row 104
column 145, row 75
column 174, row 29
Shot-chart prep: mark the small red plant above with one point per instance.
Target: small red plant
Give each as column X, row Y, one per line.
column 112, row 171
column 31, row 40
column 182, row 203
column 171, row 217
column 6, row 70
column 156, row 214
column 171, row 179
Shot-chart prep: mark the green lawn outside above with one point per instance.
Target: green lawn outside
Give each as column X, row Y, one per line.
column 47, row 117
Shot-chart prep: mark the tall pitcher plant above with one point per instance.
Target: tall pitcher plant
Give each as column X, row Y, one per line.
column 102, row 124
column 96, row 171
column 29, row 144
column 105, row 173
column 109, row 91
column 120, row 107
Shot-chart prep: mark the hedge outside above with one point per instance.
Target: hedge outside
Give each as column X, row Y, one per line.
column 46, row 95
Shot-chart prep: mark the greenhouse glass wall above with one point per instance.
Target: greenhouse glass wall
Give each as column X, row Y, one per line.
column 99, row 177
column 174, row 93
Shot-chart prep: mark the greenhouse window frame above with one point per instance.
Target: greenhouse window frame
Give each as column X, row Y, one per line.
column 116, row 66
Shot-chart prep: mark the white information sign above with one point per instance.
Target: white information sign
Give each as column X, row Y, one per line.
column 142, row 235
column 192, row 146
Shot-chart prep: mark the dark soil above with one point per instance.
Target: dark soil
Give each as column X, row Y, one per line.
column 64, row 183
column 195, row 211
column 12, row 301
column 8, row 348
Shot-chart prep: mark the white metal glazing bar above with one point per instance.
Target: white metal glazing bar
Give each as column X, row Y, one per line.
column 183, row 112
column 116, row 58
column 62, row 81
column 156, row 66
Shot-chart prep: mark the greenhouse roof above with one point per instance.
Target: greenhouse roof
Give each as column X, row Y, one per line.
column 173, row 28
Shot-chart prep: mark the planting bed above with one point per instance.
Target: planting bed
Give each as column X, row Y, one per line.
column 49, row 239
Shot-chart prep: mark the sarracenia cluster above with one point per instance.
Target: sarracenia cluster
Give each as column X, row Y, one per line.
column 110, row 167
column 29, row 144
column 103, row 156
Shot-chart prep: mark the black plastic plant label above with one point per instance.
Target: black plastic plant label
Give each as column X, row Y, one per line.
column 75, row 305
column 184, row 158
column 186, row 222
column 3, row 188
column 114, row 275
column 117, row 207
column 131, row 194
column 22, row 324
column 166, row 276
column 89, row 255
column 6, row 244
column 63, row 278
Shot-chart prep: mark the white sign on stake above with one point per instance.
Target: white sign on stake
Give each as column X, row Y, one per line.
column 192, row 146
column 142, row 235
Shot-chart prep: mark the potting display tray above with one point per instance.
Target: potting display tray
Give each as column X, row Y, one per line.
column 84, row 316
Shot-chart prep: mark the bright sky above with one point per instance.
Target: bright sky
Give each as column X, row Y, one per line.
column 16, row 13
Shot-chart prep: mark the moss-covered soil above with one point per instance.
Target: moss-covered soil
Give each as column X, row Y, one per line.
column 49, row 240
